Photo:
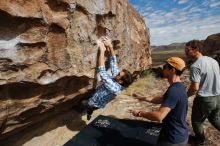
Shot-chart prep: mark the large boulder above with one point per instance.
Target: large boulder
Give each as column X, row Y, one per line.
column 48, row 53
column 212, row 46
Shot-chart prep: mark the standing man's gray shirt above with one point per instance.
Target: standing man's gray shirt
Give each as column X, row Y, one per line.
column 206, row 72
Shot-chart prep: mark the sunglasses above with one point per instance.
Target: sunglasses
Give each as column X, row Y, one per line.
column 165, row 66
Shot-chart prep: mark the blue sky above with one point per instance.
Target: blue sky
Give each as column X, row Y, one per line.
column 172, row 21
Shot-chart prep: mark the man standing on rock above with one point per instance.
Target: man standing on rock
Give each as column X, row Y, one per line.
column 205, row 84
column 173, row 109
column 111, row 85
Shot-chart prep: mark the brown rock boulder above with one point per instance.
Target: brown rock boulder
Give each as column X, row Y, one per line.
column 212, row 46
column 48, row 53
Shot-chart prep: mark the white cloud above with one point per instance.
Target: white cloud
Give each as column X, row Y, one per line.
column 196, row 20
column 168, row 15
column 193, row 10
column 215, row 4
column 182, row 1
column 211, row 3
column 206, row 3
column 186, row 31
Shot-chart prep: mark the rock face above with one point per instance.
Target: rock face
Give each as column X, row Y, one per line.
column 48, row 53
column 212, row 46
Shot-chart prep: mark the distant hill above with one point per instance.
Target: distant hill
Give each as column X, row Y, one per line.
column 172, row 46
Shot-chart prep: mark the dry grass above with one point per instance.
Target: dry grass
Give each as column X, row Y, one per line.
column 142, row 86
column 159, row 57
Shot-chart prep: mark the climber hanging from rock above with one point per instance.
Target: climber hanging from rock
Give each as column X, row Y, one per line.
column 111, row 85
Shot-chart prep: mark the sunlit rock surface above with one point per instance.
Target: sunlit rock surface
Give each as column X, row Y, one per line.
column 48, row 53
